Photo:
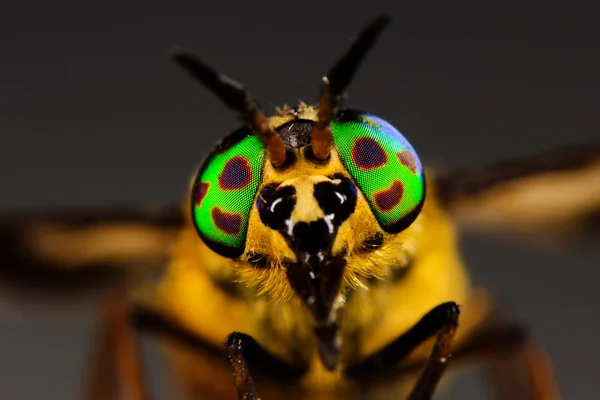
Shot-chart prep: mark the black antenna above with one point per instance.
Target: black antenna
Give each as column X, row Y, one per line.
column 237, row 98
column 337, row 80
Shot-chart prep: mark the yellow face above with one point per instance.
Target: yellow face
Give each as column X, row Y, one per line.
column 294, row 200
column 350, row 237
column 309, row 227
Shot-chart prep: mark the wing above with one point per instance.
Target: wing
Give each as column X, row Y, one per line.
column 552, row 195
column 78, row 250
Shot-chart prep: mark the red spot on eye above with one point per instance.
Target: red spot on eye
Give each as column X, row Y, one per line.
column 389, row 198
column 200, row 193
column 408, row 160
column 229, row 223
column 236, row 174
column 367, row 153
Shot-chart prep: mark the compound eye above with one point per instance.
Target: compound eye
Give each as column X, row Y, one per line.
column 384, row 166
column 224, row 192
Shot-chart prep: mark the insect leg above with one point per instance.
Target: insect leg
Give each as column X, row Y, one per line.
column 436, row 364
column 117, row 356
column 517, row 367
column 525, row 374
column 244, row 384
column 442, row 320
column 242, row 350
column 101, row 382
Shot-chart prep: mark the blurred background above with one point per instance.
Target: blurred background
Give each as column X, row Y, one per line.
column 92, row 112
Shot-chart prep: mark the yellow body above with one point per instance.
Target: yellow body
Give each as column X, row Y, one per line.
column 386, row 290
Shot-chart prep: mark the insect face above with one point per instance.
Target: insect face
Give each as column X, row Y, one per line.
column 368, row 151
column 306, row 219
column 293, row 198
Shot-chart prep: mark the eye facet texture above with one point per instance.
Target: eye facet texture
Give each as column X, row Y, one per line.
column 384, row 166
column 224, row 192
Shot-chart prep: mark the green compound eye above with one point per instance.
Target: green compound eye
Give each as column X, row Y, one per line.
column 384, row 166
column 224, row 192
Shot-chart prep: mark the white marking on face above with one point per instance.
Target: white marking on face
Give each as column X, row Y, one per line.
column 277, row 201
column 290, row 226
column 329, row 221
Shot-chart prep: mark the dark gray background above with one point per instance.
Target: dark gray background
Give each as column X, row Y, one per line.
column 93, row 112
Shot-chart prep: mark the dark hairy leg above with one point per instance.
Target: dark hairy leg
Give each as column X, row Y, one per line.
column 242, row 351
column 436, row 364
column 516, row 366
column 384, row 364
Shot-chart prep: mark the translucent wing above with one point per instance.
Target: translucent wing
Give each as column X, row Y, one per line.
column 553, row 195
column 76, row 250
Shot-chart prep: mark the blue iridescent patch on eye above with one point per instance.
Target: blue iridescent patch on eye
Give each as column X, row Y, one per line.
column 384, row 165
